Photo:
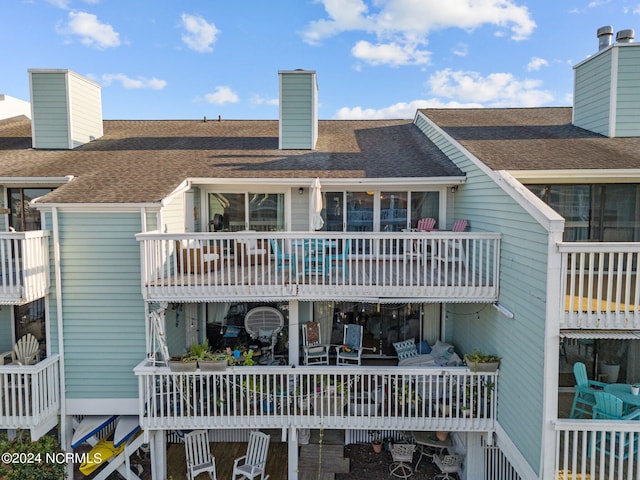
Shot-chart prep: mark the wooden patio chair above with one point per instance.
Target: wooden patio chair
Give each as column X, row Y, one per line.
column 198, row 455
column 350, row 352
column 252, row 464
column 26, row 351
column 315, row 352
column 584, row 399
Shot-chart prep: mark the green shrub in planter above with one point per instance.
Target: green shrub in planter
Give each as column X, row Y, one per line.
column 38, row 458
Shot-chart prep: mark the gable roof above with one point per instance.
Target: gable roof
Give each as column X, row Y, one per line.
column 144, row 161
column 534, row 139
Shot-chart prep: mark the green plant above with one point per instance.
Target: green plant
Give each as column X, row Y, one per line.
column 40, row 451
column 478, row 357
column 199, row 351
column 406, row 395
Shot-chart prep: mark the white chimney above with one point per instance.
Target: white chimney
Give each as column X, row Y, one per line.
column 605, row 36
column 625, row 36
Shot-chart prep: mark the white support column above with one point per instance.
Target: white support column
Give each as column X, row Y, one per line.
column 294, row 333
column 158, row 448
column 292, row 443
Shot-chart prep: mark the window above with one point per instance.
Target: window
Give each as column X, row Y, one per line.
column 596, row 212
column 23, row 217
column 263, row 212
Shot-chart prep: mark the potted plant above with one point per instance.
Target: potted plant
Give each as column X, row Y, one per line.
column 376, row 441
column 182, row 363
column 206, row 360
column 482, row 362
column 610, row 353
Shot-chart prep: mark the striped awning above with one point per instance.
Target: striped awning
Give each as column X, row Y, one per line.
column 601, row 334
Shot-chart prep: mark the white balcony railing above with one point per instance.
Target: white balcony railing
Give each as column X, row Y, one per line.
column 310, row 397
column 30, row 396
column 24, row 266
column 601, row 288
column 597, row 449
column 310, row 265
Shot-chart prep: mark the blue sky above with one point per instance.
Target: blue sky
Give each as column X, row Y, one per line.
column 169, row 59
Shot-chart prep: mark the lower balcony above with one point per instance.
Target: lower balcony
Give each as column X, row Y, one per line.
column 428, row 266
column 597, row 449
column 380, row 398
column 30, row 396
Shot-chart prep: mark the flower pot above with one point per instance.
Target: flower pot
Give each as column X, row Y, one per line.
column 635, row 390
column 442, row 436
column 611, row 371
column 377, row 446
column 180, row 366
column 212, row 365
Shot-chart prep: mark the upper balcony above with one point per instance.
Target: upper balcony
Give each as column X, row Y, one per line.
column 24, row 266
column 434, row 266
column 601, row 289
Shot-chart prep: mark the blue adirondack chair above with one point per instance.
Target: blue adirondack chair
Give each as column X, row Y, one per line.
column 584, row 400
column 610, row 407
column 337, row 257
column 283, row 260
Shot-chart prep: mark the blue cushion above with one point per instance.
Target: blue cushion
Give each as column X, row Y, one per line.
column 424, row 347
column 406, row 349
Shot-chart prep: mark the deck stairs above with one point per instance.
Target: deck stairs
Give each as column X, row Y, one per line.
column 321, row 461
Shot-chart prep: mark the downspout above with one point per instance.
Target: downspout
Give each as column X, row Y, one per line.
column 58, row 277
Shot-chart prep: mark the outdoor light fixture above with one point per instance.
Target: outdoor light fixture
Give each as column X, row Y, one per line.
column 503, row 310
column 454, row 189
column 300, row 191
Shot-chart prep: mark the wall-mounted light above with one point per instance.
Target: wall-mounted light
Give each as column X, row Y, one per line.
column 503, row 310
column 300, row 191
column 454, row 189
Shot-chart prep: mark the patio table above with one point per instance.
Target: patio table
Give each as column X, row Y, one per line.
column 429, row 445
column 623, row 392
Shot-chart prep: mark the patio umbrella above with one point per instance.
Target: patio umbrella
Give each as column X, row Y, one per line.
column 316, row 205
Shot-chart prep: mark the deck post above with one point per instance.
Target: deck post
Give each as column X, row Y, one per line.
column 158, row 448
column 292, row 443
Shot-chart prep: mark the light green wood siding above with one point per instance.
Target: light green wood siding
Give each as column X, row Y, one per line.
column 523, row 264
column 592, row 93
column 104, row 335
column 50, row 120
column 51, row 302
column 6, row 338
column 86, row 110
column 628, row 89
column 175, row 331
column 299, row 210
column 298, row 110
column 173, row 215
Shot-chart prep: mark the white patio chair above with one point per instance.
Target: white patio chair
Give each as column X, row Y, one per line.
column 315, row 352
column 198, row 454
column 402, row 455
column 352, row 340
column 26, row 351
column 448, row 464
column 252, row 464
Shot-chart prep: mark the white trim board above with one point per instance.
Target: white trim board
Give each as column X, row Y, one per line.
column 103, row 406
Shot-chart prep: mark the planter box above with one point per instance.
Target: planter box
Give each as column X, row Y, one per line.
column 180, row 366
column 485, row 367
column 212, row 365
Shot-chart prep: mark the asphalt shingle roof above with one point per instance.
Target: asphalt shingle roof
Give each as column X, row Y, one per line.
column 534, row 139
column 143, row 161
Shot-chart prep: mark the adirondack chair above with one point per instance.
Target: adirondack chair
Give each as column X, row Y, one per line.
column 426, row 224
column 337, row 256
column 198, row 455
column 583, row 399
column 454, row 250
column 26, row 351
column 315, row 352
column 283, row 260
column 252, row 464
column 610, row 407
column 352, row 340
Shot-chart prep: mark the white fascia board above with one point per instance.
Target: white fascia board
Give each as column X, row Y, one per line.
column 593, row 175
column 97, row 207
column 180, row 189
column 540, row 211
column 454, row 180
column 35, row 181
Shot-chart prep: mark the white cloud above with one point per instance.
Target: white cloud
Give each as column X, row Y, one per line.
column 391, row 54
column 258, row 100
column 200, row 35
column 461, row 50
column 92, row 32
column 406, row 24
column 397, row 110
column 221, row 96
column 63, row 4
column 536, row 63
column 133, row 83
column 494, row 90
